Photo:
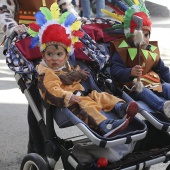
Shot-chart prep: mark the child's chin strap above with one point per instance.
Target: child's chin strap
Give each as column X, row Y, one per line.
column 138, row 40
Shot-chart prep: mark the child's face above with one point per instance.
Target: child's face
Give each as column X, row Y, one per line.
column 146, row 39
column 55, row 56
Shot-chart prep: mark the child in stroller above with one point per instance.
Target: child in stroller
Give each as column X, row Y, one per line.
column 59, row 84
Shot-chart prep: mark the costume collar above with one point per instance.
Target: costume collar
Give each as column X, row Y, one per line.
column 59, row 69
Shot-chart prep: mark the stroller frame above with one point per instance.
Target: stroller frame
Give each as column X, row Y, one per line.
column 55, row 147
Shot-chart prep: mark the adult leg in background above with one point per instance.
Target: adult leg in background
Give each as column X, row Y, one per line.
column 85, row 5
column 100, row 4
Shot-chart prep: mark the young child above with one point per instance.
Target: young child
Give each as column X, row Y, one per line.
column 136, row 62
column 60, row 84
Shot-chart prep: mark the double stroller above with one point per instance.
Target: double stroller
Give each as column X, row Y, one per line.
column 18, row 57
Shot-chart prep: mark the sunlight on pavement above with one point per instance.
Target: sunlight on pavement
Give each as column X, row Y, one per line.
column 7, row 79
column 7, row 72
column 12, row 96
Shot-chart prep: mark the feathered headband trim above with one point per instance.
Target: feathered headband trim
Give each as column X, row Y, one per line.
column 124, row 12
column 51, row 26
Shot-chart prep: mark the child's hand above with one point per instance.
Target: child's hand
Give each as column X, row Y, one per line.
column 136, row 71
column 85, row 73
column 74, row 99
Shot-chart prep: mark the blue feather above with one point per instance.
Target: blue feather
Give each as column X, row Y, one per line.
column 72, row 57
column 34, row 42
column 116, row 31
column 69, row 20
column 120, row 4
column 40, row 18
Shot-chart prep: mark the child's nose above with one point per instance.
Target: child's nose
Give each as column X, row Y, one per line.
column 55, row 57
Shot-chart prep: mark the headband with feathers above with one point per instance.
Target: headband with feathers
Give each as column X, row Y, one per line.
column 51, row 27
column 124, row 10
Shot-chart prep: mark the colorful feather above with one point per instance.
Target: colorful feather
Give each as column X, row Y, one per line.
column 34, row 42
column 136, row 2
column 144, row 9
column 72, row 56
column 76, row 25
column 63, row 17
column 120, row 5
column 117, row 31
column 136, row 8
column 77, row 33
column 114, row 27
column 113, row 15
column 55, row 11
column 128, row 17
column 118, row 11
column 129, row 2
column 74, row 40
column 40, row 18
column 34, row 27
column 78, row 45
column 46, row 12
column 69, row 20
column 32, row 33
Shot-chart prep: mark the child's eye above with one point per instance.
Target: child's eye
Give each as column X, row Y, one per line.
column 60, row 54
column 49, row 54
column 146, row 35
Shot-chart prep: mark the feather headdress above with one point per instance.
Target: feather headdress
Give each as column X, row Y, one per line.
column 124, row 10
column 51, row 27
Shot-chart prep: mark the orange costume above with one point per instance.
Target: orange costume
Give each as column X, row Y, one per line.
column 56, row 87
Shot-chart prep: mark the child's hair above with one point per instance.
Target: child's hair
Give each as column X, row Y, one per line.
column 56, row 47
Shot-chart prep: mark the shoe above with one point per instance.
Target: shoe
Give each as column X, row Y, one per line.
column 129, row 110
column 166, row 109
column 110, row 127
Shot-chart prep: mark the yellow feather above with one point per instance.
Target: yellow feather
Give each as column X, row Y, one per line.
column 76, row 25
column 55, row 11
column 68, row 49
column 136, row 2
column 74, row 39
column 113, row 15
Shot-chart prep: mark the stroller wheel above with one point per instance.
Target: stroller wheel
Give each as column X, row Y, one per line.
column 33, row 161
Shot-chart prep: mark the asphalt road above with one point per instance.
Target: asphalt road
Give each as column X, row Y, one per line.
column 13, row 107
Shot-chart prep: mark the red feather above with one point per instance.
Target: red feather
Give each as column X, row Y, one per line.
column 146, row 21
column 34, row 27
column 78, row 45
column 56, row 33
column 78, row 33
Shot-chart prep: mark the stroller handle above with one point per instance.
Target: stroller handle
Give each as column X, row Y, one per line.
column 8, row 42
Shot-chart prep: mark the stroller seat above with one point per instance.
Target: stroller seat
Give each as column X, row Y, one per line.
column 153, row 116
